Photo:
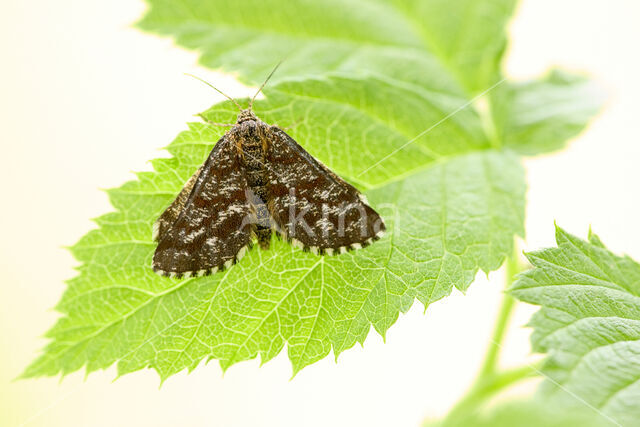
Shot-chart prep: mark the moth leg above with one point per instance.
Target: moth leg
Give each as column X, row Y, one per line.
column 264, row 237
column 209, row 122
column 262, row 217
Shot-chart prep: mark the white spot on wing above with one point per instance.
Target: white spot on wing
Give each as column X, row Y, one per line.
column 212, row 241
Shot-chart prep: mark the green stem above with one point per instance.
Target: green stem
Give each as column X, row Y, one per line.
column 490, row 379
column 502, row 322
column 486, row 388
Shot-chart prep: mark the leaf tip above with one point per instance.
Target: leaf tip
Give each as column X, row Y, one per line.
column 224, row 365
column 294, row 372
column 559, row 231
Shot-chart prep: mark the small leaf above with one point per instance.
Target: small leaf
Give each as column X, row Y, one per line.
column 541, row 115
column 589, row 324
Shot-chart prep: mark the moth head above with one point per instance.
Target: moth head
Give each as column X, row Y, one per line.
column 248, row 129
column 246, row 115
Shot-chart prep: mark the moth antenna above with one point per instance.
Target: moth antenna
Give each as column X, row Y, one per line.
column 216, row 89
column 264, row 84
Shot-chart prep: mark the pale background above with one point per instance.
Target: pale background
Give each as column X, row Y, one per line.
column 84, row 99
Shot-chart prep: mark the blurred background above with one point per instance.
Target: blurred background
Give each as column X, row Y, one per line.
column 85, row 99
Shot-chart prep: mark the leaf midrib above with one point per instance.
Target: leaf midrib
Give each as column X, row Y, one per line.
column 231, row 359
column 126, row 316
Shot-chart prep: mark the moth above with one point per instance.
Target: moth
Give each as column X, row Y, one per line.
column 257, row 181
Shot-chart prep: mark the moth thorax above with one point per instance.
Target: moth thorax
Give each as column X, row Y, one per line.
column 246, row 115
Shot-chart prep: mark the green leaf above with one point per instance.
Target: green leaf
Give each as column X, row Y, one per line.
column 118, row 310
column 542, row 115
column 467, row 35
column 375, row 102
column 589, row 324
column 447, row 51
column 434, row 42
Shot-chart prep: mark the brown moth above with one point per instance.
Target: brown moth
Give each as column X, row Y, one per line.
column 257, row 181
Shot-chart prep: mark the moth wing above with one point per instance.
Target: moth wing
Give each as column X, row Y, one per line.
column 171, row 214
column 312, row 205
column 214, row 223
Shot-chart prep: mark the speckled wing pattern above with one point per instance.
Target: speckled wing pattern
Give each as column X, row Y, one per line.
column 170, row 215
column 312, row 207
column 205, row 228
